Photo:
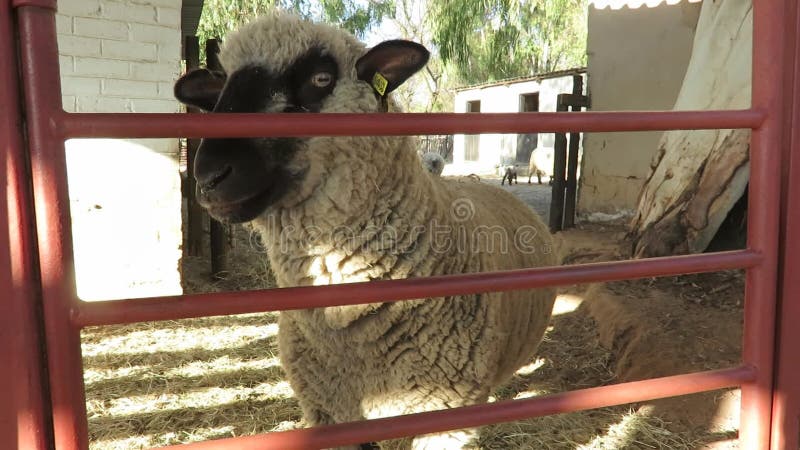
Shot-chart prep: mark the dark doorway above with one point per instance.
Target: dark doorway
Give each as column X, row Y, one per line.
column 472, row 141
column 527, row 143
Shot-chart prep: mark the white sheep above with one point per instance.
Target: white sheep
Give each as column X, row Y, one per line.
column 350, row 209
column 534, row 169
column 433, row 163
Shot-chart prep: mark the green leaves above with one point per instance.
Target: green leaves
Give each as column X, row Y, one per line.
column 353, row 16
column 357, row 16
column 487, row 40
column 476, row 40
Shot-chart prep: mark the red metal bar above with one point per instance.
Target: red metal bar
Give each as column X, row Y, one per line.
column 786, row 394
column 471, row 416
column 46, row 4
column 49, row 125
column 39, row 56
column 200, row 305
column 763, row 222
column 121, row 125
column 24, row 416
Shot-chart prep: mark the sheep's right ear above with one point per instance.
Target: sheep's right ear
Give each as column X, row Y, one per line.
column 200, row 88
column 390, row 63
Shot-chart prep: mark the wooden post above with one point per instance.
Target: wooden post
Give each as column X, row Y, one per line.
column 559, row 172
column 217, row 236
column 572, row 159
column 195, row 214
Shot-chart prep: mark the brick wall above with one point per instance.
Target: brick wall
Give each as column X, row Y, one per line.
column 122, row 56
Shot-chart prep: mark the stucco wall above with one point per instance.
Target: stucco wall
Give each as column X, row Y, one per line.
column 122, row 56
column 497, row 149
column 636, row 61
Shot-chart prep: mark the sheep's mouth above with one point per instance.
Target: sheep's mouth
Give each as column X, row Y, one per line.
column 243, row 210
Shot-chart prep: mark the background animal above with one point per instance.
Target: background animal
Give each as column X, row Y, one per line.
column 433, row 163
column 510, row 174
column 533, row 169
column 349, row 209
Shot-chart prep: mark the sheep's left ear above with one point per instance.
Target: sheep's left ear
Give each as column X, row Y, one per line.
column 200, row 88
column 390, row 63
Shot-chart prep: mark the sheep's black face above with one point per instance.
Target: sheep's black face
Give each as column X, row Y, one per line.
column 237, row 179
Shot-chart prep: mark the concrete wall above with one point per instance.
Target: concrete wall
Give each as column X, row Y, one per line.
column 499, row 149
column 122, row 56
column 637, row 58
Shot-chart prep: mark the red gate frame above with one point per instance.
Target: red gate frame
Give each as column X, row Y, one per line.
column 48, row 411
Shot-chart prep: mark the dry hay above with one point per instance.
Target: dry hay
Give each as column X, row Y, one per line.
column 173, row 382
column 247, row 269
column 190, row 380
column 182, row 381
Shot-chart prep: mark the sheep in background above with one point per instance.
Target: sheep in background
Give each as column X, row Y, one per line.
column 433, row 163
column 349, row 209
column 533, row 169
column 510, row 174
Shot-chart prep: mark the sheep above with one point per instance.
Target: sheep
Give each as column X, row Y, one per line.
column 354, row 209
column 433, row 163
column 510, row 174
column 533, row 169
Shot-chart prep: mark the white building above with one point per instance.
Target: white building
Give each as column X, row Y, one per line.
column 125, row 197
column 487, row 153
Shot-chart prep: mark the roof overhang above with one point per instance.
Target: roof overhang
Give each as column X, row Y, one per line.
column 635, row 4
column 537, row 77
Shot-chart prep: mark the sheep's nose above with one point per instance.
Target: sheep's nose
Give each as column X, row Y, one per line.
column 208, row 182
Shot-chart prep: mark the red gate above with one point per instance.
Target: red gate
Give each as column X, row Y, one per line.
column 41, row 411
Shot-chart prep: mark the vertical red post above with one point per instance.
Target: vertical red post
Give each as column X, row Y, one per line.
column 786, row 395
column 763, row 222
column 24, row 417
column 39, row 61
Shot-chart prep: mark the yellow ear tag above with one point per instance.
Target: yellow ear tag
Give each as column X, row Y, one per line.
column 379, row 83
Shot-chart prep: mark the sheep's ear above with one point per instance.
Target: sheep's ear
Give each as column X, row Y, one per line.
column 387, row 65
column 200, row 88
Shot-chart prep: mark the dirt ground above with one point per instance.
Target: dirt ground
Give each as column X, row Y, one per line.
column 665, row 326
column 183, row 381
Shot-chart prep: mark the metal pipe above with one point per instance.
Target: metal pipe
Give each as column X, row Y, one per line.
column 786, row 392
column 471, row 416
column 24, row 413
column 40, row 74
column 200, row 305
column 48, row 125
column 762, row 222
column 121, row 125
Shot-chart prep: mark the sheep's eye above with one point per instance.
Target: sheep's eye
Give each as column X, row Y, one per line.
column 322, row 79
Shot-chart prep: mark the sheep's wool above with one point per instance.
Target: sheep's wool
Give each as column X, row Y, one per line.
column 277, row 39
column 363, row 209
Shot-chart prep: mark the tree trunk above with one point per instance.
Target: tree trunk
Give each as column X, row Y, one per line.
column 697, row 176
